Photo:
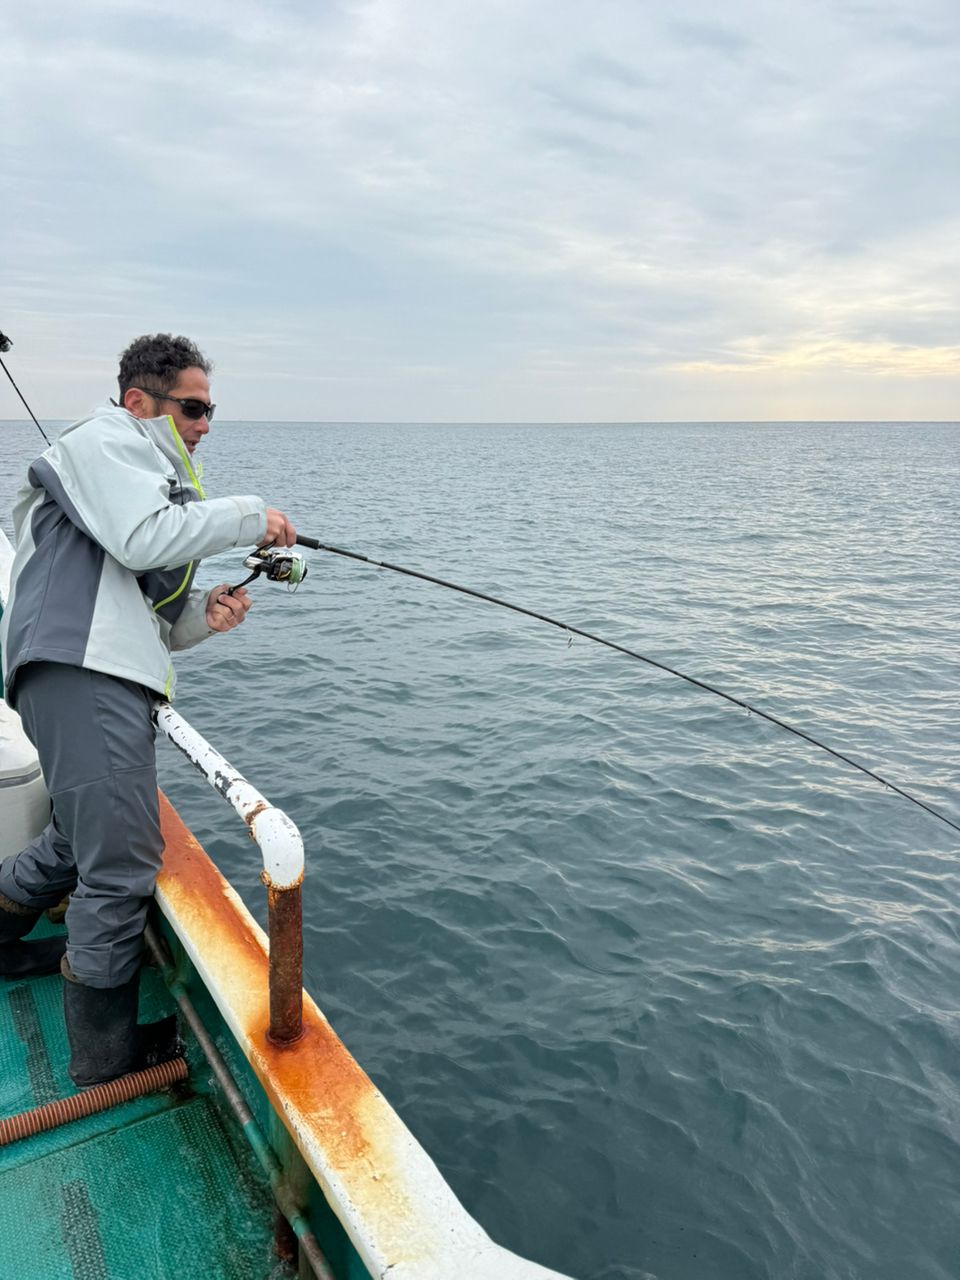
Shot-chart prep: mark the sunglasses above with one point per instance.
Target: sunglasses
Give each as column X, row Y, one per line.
column 193, row 409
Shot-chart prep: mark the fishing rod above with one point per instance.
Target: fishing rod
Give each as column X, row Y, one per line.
column 279, row 565
column 288, row 566
column 5, row 345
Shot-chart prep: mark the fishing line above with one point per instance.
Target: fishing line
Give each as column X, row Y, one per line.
column 5, row 345
column 314, row 545
column 287, row 567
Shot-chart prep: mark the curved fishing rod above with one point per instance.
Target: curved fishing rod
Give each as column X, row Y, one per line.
column 280, row 567
column 314, row 545
column 5, row 345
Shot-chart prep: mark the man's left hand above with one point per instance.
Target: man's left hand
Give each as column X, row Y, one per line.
column 226, row 612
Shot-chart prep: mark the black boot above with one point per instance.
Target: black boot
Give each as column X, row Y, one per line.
column 105, row 1040
column 25, row 959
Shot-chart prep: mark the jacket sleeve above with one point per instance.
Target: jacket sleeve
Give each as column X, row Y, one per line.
column 191, row 627
column 112, row 484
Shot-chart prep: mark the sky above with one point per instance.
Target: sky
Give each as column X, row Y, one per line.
column 501, row 210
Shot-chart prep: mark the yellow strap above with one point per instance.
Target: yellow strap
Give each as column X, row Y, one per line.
column 186, row 459
column 186, row 579
column 196, row 484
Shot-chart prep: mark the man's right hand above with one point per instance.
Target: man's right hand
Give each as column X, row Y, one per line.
column 280, row 532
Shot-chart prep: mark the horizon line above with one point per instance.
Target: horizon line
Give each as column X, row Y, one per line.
column 549, row 422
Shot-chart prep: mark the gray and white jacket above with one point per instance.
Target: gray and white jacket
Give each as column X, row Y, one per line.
column 110, row 527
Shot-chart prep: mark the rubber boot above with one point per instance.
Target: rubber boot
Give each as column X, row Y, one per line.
column 105, row 1040
column 25, row 959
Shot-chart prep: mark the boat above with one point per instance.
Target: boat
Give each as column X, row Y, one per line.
column 266, row 1151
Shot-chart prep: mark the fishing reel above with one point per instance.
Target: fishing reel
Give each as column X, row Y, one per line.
column 277, row 564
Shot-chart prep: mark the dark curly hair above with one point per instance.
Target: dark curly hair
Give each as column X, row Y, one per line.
column 154, row 362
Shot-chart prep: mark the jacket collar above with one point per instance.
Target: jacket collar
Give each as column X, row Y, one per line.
column 164, row 435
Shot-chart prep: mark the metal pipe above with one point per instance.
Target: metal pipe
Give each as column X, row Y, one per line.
column 283, row 861
column 285, row 912
column 308, row 1242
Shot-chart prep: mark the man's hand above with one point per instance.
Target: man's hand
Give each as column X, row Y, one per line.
column 226, row 612
column 280, row 531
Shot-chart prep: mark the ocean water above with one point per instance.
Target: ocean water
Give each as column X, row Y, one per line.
column 665, row 992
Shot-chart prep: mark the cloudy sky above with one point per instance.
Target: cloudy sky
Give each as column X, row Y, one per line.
column 488, row 210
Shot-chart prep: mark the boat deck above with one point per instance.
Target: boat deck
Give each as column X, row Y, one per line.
column 156, row 1187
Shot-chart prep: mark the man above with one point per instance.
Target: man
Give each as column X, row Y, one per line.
column 110, row 527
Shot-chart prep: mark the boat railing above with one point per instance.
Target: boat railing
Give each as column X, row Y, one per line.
column 281, row 846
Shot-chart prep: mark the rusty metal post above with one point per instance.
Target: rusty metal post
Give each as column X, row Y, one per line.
column 285, row 920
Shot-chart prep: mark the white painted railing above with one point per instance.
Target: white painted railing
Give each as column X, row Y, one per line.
column 281, row 846
column 277, row 836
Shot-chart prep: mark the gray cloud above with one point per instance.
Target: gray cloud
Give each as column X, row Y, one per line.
column 709, row 35
column 387, row 203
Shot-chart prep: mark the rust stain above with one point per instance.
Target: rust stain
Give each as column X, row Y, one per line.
column 255, row 812
column 191, row 881
column 315, row 1077
column 276, row 898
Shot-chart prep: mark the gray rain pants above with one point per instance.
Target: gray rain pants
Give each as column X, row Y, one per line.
column 95, row 740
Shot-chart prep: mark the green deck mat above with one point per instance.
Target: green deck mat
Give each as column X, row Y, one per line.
column 159, row 1188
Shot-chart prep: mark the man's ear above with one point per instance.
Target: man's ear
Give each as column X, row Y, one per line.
column 137, row 402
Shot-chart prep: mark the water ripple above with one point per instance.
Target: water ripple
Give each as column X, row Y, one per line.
column 665, row 992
